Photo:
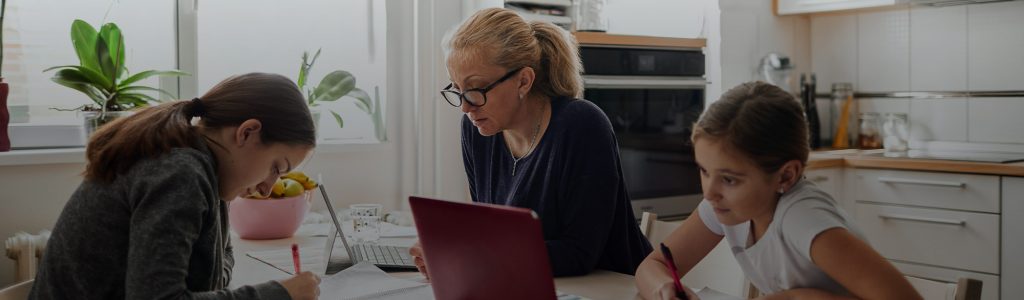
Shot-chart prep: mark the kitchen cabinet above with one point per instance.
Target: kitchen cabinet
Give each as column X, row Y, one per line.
column 995, row 41
column 788, row 7
column 938, row 48
column 932, row 224
column 883, row 51
column 829, row 180
column 1013, row 238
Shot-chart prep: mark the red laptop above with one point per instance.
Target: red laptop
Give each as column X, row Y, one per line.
column 483, row 251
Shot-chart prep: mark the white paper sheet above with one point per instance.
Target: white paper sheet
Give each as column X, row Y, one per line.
column 366, row 281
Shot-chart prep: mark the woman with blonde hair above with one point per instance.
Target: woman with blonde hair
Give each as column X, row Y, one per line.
column 528, row 141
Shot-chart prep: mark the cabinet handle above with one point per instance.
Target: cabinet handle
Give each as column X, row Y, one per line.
column 922, row 182
column 960, row 223
column 818, row 179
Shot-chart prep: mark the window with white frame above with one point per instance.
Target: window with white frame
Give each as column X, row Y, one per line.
column 240, row 36
column 37, row 36
column 232, row 37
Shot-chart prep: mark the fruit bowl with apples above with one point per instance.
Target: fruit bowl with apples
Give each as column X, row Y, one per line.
column 278, row 215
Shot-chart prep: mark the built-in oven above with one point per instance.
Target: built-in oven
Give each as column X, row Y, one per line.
column 652, row 97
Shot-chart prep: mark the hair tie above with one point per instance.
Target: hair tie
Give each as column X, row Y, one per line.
column 198, row 110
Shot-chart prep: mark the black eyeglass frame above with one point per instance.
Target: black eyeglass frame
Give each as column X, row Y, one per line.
column 483, row 91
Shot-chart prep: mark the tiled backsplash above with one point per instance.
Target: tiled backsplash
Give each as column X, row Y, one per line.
column 978, row 47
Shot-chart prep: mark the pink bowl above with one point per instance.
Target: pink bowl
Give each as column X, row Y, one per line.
column 264, row 219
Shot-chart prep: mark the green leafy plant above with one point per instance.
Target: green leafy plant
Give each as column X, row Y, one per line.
column 338, row 84
column 101, row 74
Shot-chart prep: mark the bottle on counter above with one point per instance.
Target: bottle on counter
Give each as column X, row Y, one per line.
column 811, row 109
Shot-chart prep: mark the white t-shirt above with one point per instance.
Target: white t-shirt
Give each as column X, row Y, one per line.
column 781, row 259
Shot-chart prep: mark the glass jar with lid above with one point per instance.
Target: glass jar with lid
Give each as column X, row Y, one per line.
column 869, row 135
column 895, row 132
column 842, row 112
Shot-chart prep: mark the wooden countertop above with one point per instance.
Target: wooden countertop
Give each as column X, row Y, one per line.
column 857, row 159
column 600, row 38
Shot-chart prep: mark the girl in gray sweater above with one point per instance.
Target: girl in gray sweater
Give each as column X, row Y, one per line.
column 149, row 221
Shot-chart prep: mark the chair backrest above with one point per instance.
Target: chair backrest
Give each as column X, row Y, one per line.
column 656, row 231
column 963, row 289
column 18, row 291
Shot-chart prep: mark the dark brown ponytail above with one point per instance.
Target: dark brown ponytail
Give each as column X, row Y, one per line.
column 760, row 120
column 272, row 99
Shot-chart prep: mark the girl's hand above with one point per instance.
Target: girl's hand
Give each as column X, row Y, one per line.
column 416, row 251
column 667, row 291
column 305, row 286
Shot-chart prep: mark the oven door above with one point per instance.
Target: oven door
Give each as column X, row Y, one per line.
column 652, row 118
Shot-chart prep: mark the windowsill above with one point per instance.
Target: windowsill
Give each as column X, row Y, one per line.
column 77, row 155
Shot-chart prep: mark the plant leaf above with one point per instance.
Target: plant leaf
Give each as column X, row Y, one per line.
column 83, row 38
column 93, row 75
column 337, row 117
column 139, row 88
column 146, row 74
column 136, row 99
column 378, row 117
column 74, row 79
column 115, row 45
column 107, row 64
column 334, row 86
column 363, row 97
column 362, row 107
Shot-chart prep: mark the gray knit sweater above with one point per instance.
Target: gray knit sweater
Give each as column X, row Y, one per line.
column 159, row 231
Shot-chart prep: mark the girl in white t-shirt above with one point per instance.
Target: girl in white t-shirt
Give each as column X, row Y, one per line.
column 790, row 238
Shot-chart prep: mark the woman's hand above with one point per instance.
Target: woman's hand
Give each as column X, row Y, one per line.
column 667, row 291
column 416, row 251
column 305, row 286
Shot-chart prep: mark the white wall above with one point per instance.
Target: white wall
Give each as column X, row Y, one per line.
column 750, row 30
column 918, row 48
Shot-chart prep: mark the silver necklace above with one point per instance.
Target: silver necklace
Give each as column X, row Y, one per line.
column 533, row 144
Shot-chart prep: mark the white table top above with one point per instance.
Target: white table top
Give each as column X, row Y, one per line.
column 597, row 285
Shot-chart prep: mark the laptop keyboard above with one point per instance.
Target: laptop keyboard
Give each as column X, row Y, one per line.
column 382, row 255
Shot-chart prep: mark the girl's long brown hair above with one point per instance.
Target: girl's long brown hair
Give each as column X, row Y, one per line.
column 272, row 99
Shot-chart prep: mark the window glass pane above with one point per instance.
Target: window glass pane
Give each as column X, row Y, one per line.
column 37, row 36
column 241, row 36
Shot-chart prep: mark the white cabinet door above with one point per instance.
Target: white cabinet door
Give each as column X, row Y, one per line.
column 967, row 192
column 829, row 180
column 995, row 42
column 938, row 237
column 1013, row 238
column 989, row 283
column 938, row 48
column 883, row 51
column 787, row 7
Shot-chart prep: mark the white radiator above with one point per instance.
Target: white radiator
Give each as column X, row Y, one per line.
column 26, row 250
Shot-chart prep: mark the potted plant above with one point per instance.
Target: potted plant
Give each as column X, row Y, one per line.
column 5, row 117
column 334, row 86
column 102, row 76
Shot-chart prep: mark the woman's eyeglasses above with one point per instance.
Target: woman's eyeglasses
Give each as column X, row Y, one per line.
column 475, row 97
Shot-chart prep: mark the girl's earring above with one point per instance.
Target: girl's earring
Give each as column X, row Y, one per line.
column 782, row 190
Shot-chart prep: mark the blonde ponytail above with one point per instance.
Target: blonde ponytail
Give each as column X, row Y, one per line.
column 548, row 49
column 560, row 66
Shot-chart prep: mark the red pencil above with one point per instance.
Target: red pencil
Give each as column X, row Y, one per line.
column 671, row 263
column 295, row 259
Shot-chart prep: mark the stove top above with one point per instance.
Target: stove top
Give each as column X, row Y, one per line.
column 986, row 157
